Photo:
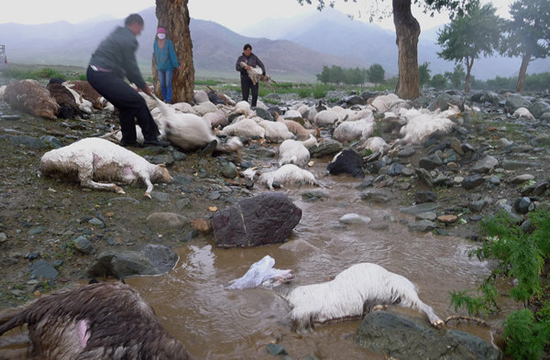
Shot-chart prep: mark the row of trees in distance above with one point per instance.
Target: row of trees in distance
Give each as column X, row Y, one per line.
column 352, row 76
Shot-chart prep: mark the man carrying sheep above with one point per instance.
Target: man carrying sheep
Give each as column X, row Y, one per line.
column 113, row 60
column 245, row 63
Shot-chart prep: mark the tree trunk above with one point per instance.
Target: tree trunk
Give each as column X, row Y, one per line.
column 407, row 30
column 173, row 15
column 523, row 72
column 469, row 65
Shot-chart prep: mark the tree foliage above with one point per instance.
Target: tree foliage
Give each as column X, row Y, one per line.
column 424, row 76
column 456, row 77
column 376, row 74
column 475, row 33
column 527, row 34
column 350, row 76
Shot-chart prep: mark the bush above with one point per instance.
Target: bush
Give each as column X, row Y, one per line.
column 524, row 257
column 320, row 91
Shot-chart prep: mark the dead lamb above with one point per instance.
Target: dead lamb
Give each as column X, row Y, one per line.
column 353, row 293
column 287, row 174
column 98, row 321
column 94, row 159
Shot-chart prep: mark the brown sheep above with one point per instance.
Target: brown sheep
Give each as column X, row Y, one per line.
column 31, row 97
column 86, row 91
column 98, row 321
column 68, row 108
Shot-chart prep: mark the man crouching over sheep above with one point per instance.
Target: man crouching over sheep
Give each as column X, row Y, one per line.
column 93, row 159
column 98, row 321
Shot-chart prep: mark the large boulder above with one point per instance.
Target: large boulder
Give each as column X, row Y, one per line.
column 404, row 338
column 264, row 219
column 151, row 260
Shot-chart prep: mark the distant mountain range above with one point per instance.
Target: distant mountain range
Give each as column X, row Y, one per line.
column 295, row 50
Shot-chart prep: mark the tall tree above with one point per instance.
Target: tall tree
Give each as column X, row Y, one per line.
column 407, row 31
column 472, row 34
column 376, row 73
column 527, row 34
column 173, row 15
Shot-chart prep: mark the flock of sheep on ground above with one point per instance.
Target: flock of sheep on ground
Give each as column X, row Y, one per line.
column 217, row 123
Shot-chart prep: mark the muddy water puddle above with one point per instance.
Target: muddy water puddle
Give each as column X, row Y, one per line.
column 216, row 323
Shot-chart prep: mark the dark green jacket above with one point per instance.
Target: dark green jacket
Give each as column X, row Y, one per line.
column 118, row 53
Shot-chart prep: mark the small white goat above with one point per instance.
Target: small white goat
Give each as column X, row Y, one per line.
column 287, row 174
column 93, row 159
column 296, row 152
column 349, row 131
column 353, row 293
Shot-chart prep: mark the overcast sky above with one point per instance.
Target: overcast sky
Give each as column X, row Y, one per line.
column 233, row 14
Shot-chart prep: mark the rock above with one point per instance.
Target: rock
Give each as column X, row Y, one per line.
column 354, row 219
column 201, row 225
column 160, row 196
column 166, row 220
column 83, row 245
column 420, row 208
column 376, row 196
column 275, row 349
column 523, row 205
column 520, row 179
column 41, row 269
column 472, row 181
column 425, row 177
column 152, row 260
column 514, row 102
column 298, row 246
column 229, row 171
column 264, row 219
column 51, row 141
column 327, row 148
column 430, row 162
column 27, row 141
column 425, row 196
column 422, row 226
column 3, row 237
column 485, row 165
column 407, row 151
column 404, row 338
column 395, row 169
column 264, row 114
column 97, row 222
column 448, row 219
column 516, row 165
column 315, row 195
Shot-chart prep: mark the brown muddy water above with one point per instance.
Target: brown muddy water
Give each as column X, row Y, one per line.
column 215, row 323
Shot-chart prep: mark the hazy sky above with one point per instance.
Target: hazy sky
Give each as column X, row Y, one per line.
column 234, row 14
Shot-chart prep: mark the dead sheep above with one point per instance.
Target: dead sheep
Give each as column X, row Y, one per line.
column 98, row 321
column 297, row 129
column 287, row 174
column 352, row 294
column 295, row 151
column 91, row 160
column 275, row 131
column 244, row 127
column 31, row 97
column 347, row 162
column 349, row 131
column 87, row 91
column 68, row 109
column 423, row 124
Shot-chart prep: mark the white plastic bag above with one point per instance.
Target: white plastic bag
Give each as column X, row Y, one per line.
column 259, row 272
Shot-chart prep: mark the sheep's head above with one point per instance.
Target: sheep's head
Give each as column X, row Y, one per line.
column 162, row 174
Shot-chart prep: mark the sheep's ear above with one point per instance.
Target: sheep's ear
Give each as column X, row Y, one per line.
column 163, row 165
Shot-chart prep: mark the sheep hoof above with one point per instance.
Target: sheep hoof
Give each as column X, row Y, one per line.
column 438, row 323
column 148, row 196
column 119, row 190
column 378, row 308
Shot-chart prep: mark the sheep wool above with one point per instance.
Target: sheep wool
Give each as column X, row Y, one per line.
column 92, row 160
column 31, row 97
column 287, row 174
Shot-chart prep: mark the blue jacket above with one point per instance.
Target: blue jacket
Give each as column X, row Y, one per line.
column 118, row 53
column 165, row 58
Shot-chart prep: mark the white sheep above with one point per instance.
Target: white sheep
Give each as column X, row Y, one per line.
column 94, row 159
column 349, row 131
column 191, row 132
column 523, row 113
column 244, row 127
column 328, row 117
column 375, row 144
column 297, row 129
column 287, row 174
column 422, row 124
column 353, row 293
column 254, row 73
column 296, row 152
column 275, row 131
column 83, row 104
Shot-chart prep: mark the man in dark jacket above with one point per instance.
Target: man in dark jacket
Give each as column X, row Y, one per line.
column 250, row 60
column 114, row 60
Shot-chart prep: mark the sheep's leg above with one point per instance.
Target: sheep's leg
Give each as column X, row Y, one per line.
column 85, row 175
column 144, row 176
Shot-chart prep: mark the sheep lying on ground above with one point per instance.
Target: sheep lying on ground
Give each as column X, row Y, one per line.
column 287, row 174
column 87, row 91
column 347, row 162
column 349, row 131
column 422, row 125
column 93, row 159
column 296, row 152
column 275, row 131
column 244, row 127
column 353, row 293
column 297, row 129
column 98, row 321
column 190, row 132
column 523, row 113
column 65, row 99
column 83, row 104
column 31, row 97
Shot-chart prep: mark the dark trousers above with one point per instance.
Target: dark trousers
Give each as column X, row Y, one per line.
column 130, row 104
column 246, row 86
